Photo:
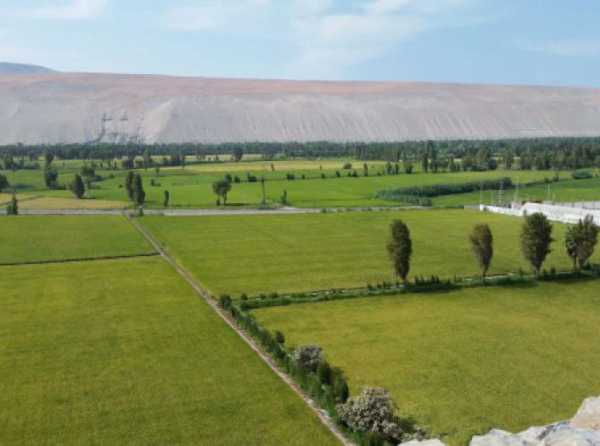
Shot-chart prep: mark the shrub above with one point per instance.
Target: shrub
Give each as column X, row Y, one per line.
column 581, row 175
column 308, row 357
column 372, row 412
column 341, row 391
column 279, row 337
column 347, row 166
column 324, row 373
column 13, row 206
column 225, row 302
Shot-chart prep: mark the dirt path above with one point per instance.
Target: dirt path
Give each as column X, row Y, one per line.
column 202, row 293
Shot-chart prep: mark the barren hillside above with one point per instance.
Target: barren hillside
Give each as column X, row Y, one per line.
column 66, row 107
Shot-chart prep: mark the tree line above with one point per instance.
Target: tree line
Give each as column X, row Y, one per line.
column 525, row 153
column 535, row 241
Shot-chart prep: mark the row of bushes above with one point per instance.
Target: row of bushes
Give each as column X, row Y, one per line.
column 420, row 285
column 369, row 419
column 436, row 190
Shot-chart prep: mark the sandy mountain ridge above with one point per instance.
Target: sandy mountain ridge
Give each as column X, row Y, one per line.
column 53, row 107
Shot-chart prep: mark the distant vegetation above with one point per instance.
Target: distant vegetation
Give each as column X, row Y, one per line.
column 434, row 156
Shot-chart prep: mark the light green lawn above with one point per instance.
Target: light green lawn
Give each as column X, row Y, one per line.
column 266, row 253
column 43, row 238
column 467, row 361
column 123, row 352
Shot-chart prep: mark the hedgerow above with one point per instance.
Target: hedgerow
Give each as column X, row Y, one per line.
column 327, row 385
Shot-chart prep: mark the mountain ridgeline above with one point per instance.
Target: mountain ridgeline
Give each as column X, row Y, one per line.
column 42, row 107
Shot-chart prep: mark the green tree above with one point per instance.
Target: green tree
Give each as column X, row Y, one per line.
column 147, row 159
column 580, row 241
column 536, row 237
column 482, row 245
column 139, row 195
column 77, row 186
column 400, row 248
column 50, row 177
column 167, row 198
column 221, row 188
column 129, row 179
column 13, row 206
column 4, row 184
column 238, row 153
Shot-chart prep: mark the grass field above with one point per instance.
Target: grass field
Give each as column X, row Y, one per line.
column 43, row 238
column 562, row 191
column 467, row 361
column 191, row 187
column 254, row 254
column 123, row 352
column 69, row 203
column 281, row 166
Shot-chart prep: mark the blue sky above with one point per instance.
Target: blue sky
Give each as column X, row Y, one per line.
column 551, row 42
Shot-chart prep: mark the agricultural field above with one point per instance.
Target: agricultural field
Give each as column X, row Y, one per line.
column 466, row 361
column 276, row 253
column 27, row 239
column 54, row 203
column 98, row 352
column 192, row 186
column 567, row 190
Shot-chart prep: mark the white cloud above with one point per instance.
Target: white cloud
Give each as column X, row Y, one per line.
column 325, row 37
column 70, row 10
column 331, row 42
column 213, row 14
column 566, row 47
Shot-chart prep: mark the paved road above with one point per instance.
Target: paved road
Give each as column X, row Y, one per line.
column 206, row 212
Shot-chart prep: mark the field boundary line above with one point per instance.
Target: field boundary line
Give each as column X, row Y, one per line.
column 80, row 259
column 208, row 298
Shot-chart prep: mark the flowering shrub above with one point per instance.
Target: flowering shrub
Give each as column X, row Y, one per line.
column 373, row 412
column 308, row 357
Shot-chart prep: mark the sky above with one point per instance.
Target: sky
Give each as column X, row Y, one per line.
column 548, row 42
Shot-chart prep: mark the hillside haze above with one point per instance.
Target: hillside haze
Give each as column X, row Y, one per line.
column 51, row 107
column 8, row 68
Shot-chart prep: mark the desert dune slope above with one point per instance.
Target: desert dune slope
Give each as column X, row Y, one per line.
column 74, row 107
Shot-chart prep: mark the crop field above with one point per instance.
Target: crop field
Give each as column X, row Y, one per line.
column 465, row 361
column 51, row 203
column 123, row 352
column 562, row 191
column 192, row 186
column 281, row 166
column 26, row 239
column 253, row 254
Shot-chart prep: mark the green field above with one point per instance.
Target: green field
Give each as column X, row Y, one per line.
column 467, row 361
column 27, row 239
column 253, row 254
column 123, row 352
column 562, row 191
column 192, row 186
